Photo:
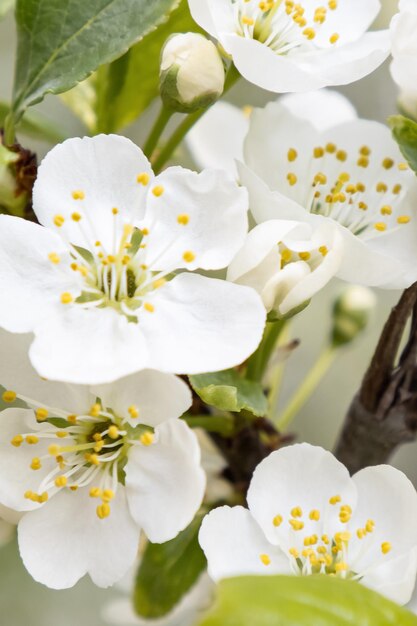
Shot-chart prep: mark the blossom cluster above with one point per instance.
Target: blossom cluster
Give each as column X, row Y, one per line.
column 131, row 280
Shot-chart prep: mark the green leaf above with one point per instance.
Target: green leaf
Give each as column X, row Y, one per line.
column 125, row 88
column 405, row 134
column 167, row 571
column 5, row 7
column 34, row 125
column 228, row 391
column 302, row 601
column 61, row 43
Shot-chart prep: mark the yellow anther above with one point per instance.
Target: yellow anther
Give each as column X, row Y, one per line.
column 294, row 552
column 66, row 297
column 74, row 267
column 277, row 521
column 296, row 524
column 54, row 258
column 381, row 188
column 183, row 219
column 310, row 33
column 360, row 533
column 332, row 5
column 249, row 21
column 335, row 500
column 74, row 487
column 61, row 481
column 17, row 441
column 78, row 195
column 159, row 283
column 158, row 191
column 311, row 541
column 99, row 446
column 361, row 187
column 363, row 161
column 9, row 396
column 97, row 437
column 380, row 226
column 76, row 217
column 403, row 167
column 265, row 559
column 103, row 510
column 43, row 497
column 322, row 550
column 115, row 211
column 363, row 206
column 72, row 419
column 386, row 547
column 320, row 179
column 59, row 220
column 341, row 155
column 95, row 492
column 133, row 411
column 54, row 449
column 297, row 512
column 292, row 179
column 61, row 434
column 113, row 432
column 307, row 552
column 386, row 210
column 107, row 495
column 149, row 307
column 334, row 38
column 397, row 189
column 36, row 463
column 343, row 537
column 318, row 153
column 286, row 256
column 143, row 178
column 111, row 258
column 325, row 539
column 126, row 260
column 403, row 219
column 324, row 251
column 32, row 439
column 331, row 148
column 95, row 410
column 314, row 515
column 188, row 256
column 147, row 438
column 292, row 155
column 304, row 256
column 387, row 163
column 370, row 526
column 341, row 567
column 92, row 458
column 365, row 151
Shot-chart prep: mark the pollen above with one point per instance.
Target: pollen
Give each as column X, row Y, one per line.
column 54, row 449
column 304, row 256
column 380, row 226
column 149, row 307
column 292, row 179
column 397, row 189
column 66, row 297
column 403, row 219
column 76, row 217
column 115, row 211
column 59, row 220
column 403, row 167
column 95, row 492
column 310, row 33
column 113, row 432
column 61, row 481
column 265, row 559
column 103, row 510
column 292, row 155
column 363, row 161
column 183, row 219
column 143, row 178
column 331, row 148
column 188, row 256
column 32, row 439
column 297, row 512
column 277, row 521
column 147, row 438
column 78, row 195
column 314, row 515
column 335, row 500
column 296, row 524
column 286, row 255
column 387, row 163
column 294, row 552
column 341, row 155
column 249, row 21
column 107, row 495
column 36, row 463
column 381, row 188
column 334, row 38
column 17, row 441
column 386, row 547
column 158, row 191
column 54, row 258
column 318, row 153
column 159, row 283
column 95, row 410
column 341, row 567
column 324, row 251
column 9, row 396
column 133, row 411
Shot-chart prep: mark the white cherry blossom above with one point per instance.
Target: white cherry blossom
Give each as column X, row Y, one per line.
column 404, row 51
column 287, row 46
column 307, row 516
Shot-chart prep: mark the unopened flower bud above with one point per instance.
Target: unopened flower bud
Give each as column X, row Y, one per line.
column 17, row 174
column 351, row 313
column 192, row 73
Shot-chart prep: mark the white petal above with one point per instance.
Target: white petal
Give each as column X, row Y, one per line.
column 234, row 544
column 202, row 324
column 200, row 11
column 88, row 346
column 104, row 168
column 157, row 397
column 216, row 210
column 30, row 284
column 299, row 476
column 396, row 578
column 64, row 540
column 324, row 108
column 17, row 374
column 396, row 524
column 16, row 475
column 217, row 138
column 165, row 482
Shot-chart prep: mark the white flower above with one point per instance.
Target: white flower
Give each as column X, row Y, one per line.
column 352, row 175
column 114, row 460
column 287, row 263
column 120, row 612
column 296, row 46
column 99, row 294
column 217, row 139
column 192, row 72
column 404, row 51
column 306, row 515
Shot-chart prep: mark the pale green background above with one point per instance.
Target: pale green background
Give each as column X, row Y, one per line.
column 25, row 603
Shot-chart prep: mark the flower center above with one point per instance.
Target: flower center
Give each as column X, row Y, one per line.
column 89, row 449
column 282, row 25
column 334, row 187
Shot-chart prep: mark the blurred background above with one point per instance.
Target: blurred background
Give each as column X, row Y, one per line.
column 25, row 603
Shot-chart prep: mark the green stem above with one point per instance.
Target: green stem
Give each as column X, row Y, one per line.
column 191, row 119
column 307, row 387
column 9, row 130
column 258, row 362
column 277, row 375
column 157, row 130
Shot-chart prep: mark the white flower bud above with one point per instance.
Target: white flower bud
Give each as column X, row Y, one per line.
column 192, row 73
column 351, row 314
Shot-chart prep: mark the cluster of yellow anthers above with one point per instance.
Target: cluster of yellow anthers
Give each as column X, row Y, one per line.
column 321, row 553
column 290, row 256
column 121, row 277
column 99, row 444
column 268, row 19
column 332, row 195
